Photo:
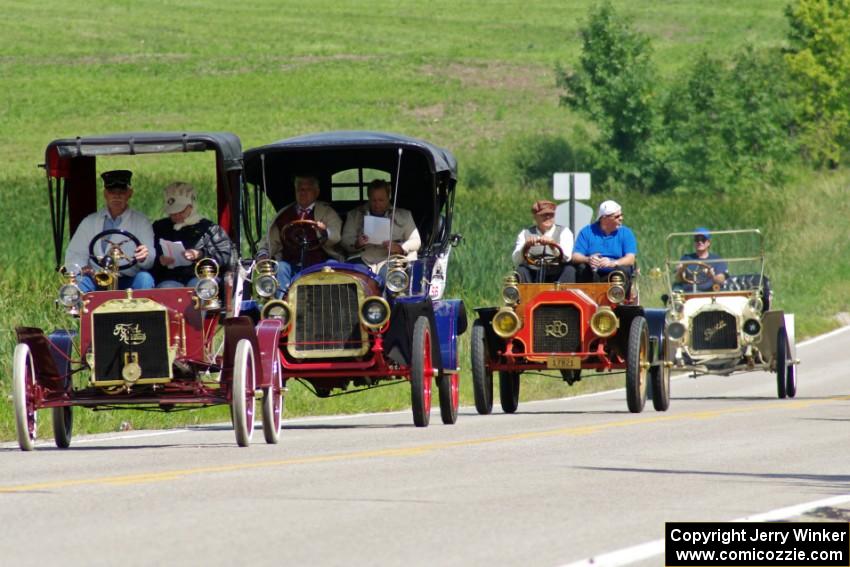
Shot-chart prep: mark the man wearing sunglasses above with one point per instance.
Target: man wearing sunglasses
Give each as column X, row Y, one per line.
column 605, row 245
column 703, row 270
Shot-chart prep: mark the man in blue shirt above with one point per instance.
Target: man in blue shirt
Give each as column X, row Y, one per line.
column 695, row 276
column 606, row 245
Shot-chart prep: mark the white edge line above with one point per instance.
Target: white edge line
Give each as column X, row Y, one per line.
column 629, row 555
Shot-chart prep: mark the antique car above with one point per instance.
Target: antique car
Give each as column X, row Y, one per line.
column 154, row 349
column 344, row 328
column 721, row 317
column 568, row 328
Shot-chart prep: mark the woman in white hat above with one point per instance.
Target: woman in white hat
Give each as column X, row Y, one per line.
column 199, row 238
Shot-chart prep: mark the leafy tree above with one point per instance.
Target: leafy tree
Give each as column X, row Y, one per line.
column 614, row 86
column 819, row 61
column 724, row 125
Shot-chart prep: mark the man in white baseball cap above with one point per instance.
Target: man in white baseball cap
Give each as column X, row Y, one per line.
column 605, row 245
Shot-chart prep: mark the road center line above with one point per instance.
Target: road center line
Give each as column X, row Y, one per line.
column 581, row 430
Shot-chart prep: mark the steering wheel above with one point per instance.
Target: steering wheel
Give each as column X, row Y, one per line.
column 548, row 254
column 303, row 233
column 101, row 260
column 701, row 274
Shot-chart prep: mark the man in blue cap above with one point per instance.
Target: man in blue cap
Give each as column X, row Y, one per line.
column 703, row 269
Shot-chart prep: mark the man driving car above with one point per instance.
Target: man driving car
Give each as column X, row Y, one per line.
column 117, row 215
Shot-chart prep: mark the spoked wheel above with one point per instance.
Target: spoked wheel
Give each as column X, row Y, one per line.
column 660, row 376
column 63, row 425
column 449, row 385
column 244, row 379
column 421, row 373
column 482, row 377
column 509, row 391
column 782, row 364
column 637, row 363
column 791, row 381
column 23, row 384
column 273, row 405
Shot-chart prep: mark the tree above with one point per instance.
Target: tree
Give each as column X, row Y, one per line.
column 819, row 61
column 614, row 86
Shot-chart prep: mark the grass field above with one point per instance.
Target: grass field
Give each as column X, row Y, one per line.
column 475, row 77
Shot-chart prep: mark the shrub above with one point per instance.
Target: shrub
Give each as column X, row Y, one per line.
column 614, row 86
column 819, row 61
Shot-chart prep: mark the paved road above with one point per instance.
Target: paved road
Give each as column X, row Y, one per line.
column 560, row 482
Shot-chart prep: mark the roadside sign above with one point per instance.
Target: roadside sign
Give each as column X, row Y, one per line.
column 584, row 216
column 580, row 181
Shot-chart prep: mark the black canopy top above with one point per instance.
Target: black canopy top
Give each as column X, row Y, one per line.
column 226, row 144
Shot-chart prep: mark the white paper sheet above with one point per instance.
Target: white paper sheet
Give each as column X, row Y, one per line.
column 377, row 229
column 174, row 250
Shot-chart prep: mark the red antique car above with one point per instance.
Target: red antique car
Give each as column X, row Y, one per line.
column 154, row 349
column 568, row 328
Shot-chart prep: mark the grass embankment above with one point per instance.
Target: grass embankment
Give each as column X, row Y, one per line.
column 475, row 77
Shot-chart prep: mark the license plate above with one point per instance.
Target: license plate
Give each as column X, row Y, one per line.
column 563, row 362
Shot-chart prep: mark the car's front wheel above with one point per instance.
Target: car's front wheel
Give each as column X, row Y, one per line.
column 63, row 425
column 637, row 358
column 660, row 376
column 449, row 386
column 421, row 373
column 23, row 383
column 273, row 406
column 509, row 391
column 482, row 376
column 242, row 394
column 782, row 365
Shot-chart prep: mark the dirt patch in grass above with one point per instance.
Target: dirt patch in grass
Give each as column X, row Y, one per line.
column 529, row 79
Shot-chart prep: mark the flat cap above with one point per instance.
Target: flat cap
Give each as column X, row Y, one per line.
column 116, row 179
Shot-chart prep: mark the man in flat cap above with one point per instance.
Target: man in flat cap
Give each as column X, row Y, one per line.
column 117, row 214
column 605, row 245
column 537, row 241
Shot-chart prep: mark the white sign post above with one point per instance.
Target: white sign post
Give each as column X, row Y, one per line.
column 571, row 187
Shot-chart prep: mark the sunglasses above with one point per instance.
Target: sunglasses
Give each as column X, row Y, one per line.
column 615, row 216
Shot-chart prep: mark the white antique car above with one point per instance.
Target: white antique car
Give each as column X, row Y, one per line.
column 720, row 318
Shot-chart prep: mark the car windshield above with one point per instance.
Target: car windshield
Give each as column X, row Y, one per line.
column 724, row 261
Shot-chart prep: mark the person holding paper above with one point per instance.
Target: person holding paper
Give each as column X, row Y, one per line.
column 367, row 229
column 184, row 237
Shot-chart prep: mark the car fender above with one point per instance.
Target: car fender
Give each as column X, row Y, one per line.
column 771, row 322
column 236, row 329
column 268, row 339
column 399, row 336
column 450, row 316
column 47, row 373
column 655, row 318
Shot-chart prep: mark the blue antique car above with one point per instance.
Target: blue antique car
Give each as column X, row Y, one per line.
column 342, row 327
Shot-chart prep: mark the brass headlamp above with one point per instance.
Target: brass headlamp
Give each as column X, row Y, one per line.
column 206, row 289
column 265, row 278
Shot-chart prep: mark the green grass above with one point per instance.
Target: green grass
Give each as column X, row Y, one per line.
column 475, row 77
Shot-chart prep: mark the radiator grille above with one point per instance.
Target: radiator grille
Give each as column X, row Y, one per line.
column 326, row 319
column 714, row 330
column 141, row 332
column 556, row 328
